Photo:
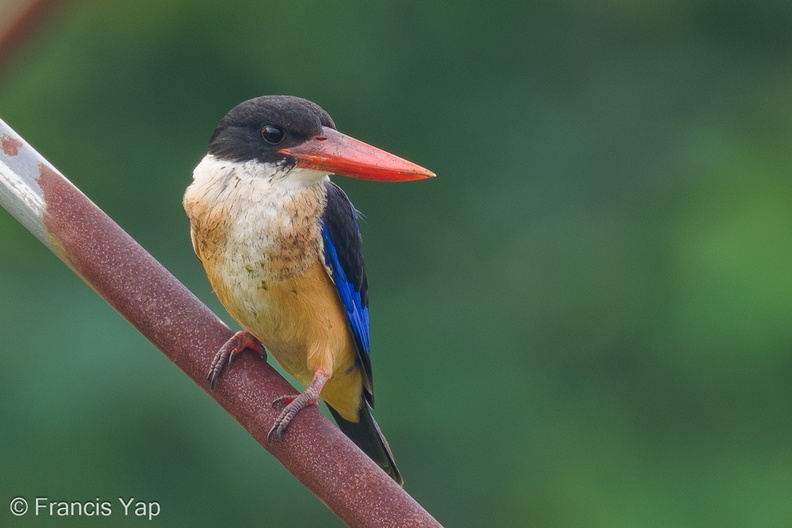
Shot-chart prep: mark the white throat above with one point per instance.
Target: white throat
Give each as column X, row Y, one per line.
column 263, row 213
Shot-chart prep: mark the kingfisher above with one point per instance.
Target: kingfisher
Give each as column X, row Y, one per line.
column 281, row 246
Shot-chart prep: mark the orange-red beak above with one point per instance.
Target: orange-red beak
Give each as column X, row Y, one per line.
column 340, row 154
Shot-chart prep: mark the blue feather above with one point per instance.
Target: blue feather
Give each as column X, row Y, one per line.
column 357, row 313
column 344, row 258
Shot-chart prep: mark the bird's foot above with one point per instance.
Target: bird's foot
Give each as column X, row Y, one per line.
column 238, row 342
column 295, row 403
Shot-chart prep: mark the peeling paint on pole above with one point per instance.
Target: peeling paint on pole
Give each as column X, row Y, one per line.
column 20, row 193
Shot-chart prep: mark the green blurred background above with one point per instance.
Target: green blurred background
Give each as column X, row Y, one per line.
column 583, row 321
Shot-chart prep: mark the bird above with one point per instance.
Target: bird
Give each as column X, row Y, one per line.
column 281, row 247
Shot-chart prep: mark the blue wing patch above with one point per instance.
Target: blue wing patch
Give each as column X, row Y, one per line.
column 344, row 258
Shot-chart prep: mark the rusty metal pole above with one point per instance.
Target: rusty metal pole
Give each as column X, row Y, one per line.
column 186, row 331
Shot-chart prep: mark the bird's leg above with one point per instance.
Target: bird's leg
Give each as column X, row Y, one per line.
column 294, row 403
column 238, row 342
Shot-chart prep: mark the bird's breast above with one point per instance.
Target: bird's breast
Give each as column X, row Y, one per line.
column 260, row 241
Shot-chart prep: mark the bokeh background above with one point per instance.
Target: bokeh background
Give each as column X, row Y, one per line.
column 584, row 320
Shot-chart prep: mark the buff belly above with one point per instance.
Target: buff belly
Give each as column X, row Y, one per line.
column 302, row 324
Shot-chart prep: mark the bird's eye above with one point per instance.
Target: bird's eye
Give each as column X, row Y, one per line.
column 272, row 134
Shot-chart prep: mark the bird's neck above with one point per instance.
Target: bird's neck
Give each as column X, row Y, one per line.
column 257, row 217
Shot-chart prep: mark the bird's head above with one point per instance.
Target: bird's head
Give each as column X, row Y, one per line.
column 290, row 132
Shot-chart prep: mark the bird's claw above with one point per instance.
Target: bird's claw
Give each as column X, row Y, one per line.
column 277, row 430
column 238, row 342
column 287, row 399
column 216, row 367
column 294, row 404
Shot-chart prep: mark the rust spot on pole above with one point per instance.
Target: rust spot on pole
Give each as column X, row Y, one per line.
column 10, row 145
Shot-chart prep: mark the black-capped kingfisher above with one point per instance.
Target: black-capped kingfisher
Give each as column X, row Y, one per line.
column 281, row 246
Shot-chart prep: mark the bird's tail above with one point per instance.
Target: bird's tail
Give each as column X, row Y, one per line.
column 368, row 437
